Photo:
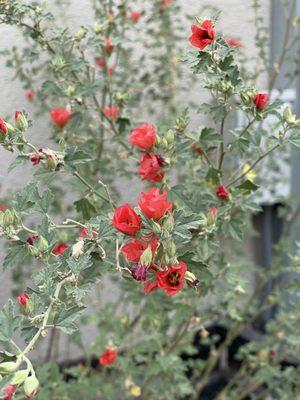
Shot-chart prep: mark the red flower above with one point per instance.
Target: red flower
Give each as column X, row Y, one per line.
column 133, row 250
column 88, row 233
column 30, row 95
column 111, row 70
column 232, row 42
column 170, row 280
column 135, row 16
column 23, row 299
column 100, row 62
column 202, row 35
column 126, row 220
column 108, row 357
column 60, row 116
column 197, row 148
column 35, row 159
column 31, row 239
column 60, row 249
column 108, row 47
column 261, row 100
column 222, row 192
column 111, row 112
column 154, row 205
column 2, row 207
column 150, row 167
column 3, row 128
column 8, row 391
column 272, row 353
column 143, row 136
column 165, row 4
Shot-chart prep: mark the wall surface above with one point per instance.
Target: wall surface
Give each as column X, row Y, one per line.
column 236, row 21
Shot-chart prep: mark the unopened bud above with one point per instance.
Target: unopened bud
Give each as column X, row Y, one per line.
column 81, row 33
column 170, row 137
column 8, row 367
column 77, row 249
column 171, row 249
column 156, row 228
column 31, row 386
column 19, row 377
column 43, row 245
column 212, row 216
column 21, row 121
column 146, row 257
column 168, row 225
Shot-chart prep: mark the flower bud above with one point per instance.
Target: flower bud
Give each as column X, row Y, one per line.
column 19, row 377
column 81, row 33
column 156, row 228
column 10, row 128
column 25, row 303
column 31, row 385
column 170, row 137
column 212, row 216
column 42, row 245
column 77, row 249
column 21, row 121
column 168, row 225
column 98, row 28
column 290, row 118
column 146, row 257
column 171, row 249
column 8, row 367
column 139, row 272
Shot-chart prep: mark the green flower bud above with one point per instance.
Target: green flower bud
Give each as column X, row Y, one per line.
column 33, row 251
column 58, row 63
column 8, row 218
column 156, row 228
column 171, row 249
column 146, row 257
column 21, row 121
column 31, row 386
column 10, row 128
column 8, row 367
column 168, row 225
column 19, row 377
column 170, row 137
column 42, row 244
column 70, row 90
column 98, row 28
column 80, row 34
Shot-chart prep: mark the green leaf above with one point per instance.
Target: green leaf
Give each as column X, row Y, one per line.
column 184, row 224
column 20, row 160
column 29, row 198
column 66, row 317
column 85, row 207
column 15, row 254
column 74, row 157
column 213, row 176
column 8, row 322
column 248, row 186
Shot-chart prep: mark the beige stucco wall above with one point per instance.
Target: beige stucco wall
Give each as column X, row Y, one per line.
column 235, row 21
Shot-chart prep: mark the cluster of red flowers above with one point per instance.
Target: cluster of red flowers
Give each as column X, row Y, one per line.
column 142, row 248
column 151, row 164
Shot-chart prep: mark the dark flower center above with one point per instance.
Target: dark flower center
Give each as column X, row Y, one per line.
column 173, row 278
